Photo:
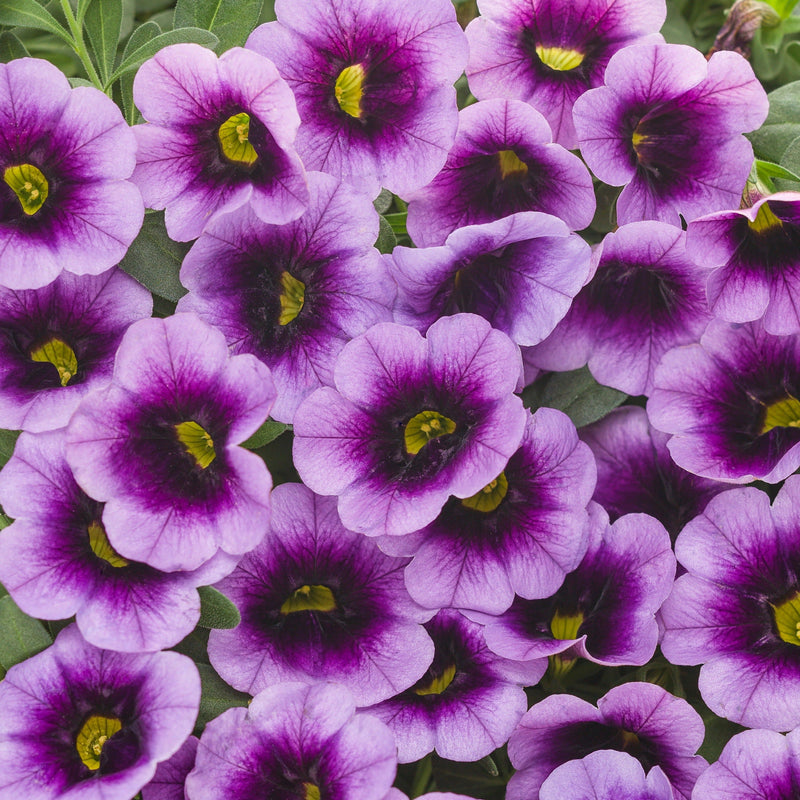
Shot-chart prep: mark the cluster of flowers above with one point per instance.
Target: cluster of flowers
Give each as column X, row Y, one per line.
column 446, row 546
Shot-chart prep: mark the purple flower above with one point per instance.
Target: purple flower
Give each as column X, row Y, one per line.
column 640, row 719
column 219, row 135
column 58, row 343
column 91, row 724
column 752, row 255
column 737, row 611
column 65, row 154
column 293, row 294
column 294, row 741
column 549, row 52
column 411, row 422
column 374, row 85
column 468, row 702
column 667, row 126
column 320, row 603
column 645, row 297
column 503, row 161
column 56, row 559
column 605, row 609
column 167, row 783
column 159, row 446
column 731, row 403
column 521, row 533
column 520, row 273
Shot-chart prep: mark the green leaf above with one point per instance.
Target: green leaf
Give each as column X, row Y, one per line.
column 8, row 440
column 155, row 260
column 21, row 636
column 782, row 125
column 231, row 20
column 216, row 611
column 398, row 222
column 576, row 393
column 141, row 36
column 29, row 14
column 383, row 202
column 215, row 696
column 718, row 733
column 790, row 160
column 11, row 47
column 137, row 57
column 267, row 433
column 766, row 169
column 783, row 7
column 103, row 23
column 386, row 239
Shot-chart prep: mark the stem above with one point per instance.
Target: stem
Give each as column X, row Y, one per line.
column 422, row 776
column 79, row 46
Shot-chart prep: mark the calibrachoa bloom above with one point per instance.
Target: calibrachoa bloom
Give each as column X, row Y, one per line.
column 731, row 403
column 219, row 134
column 646, row 296
column 412, row 421
column 549, row 52
column 373, row 83
column 753, row 255
column 294, row 741
column 503, row 161
column 468, row 702
column 57, row 343
column 65, row 155
column 88, row 724
column 320, row 603
column 521, row 533
column 56, row 560
column 293, row 294
column 605, row 609
column 160, row 447
column 168, row 782
column 640, row 719
column 668, row 127
column 520, row 272
column 737, row 611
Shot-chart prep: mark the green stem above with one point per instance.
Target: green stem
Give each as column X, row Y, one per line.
column 422, row 777
column 79, row 46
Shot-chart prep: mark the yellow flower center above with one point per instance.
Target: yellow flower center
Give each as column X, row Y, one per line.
column 309, row 598
column 29, row 185
column 197, row 441
column 92, row 736
column 291, row 299
column 488, row 498
column 783, row 414
column 423, row 427
column 438, row 683
column 765, row 220
column 559, row 58
column 102, row 548
column 510, row 165
column 58, row 353
column 638, row 139
column 349, row 89
column 234, row 140
column 311, row 791
column 565, row 626
column 787, row 619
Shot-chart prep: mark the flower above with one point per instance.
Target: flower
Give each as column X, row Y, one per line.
column 167, row 783
column 548, row 52
column 159, row 446
column 411, row 422
column 503, row 161
column 219, row 135
column 668, row 127
column 57, row 343
column 85, row 723
column 374, row 85
column 65, row 156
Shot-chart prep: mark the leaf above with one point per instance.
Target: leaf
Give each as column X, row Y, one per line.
column 782, row 125
column 790, row 160
column 11, row 47
column 231, row 20
column 29, row 14
column 386, row 239
column 148, row 49
column 8, row 439
column 267, row 433
column 142, row 35
column 21, row 636
column 718, row 733
column 783, row 7
column 398, row 222
column 155, row 260
column 103, row 23
column 383, row 202
column 216, row 610
column 215, row 696
column 766, row 169
column 576, row 393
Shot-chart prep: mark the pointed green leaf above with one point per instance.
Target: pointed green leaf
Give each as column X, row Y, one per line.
column 231, row 20
column 216, row 611
column 782, row 125
column 267, row 433
column 8, row 440
column 11, row 47
column 29, row 14
column 142, row 35
column 386, row 239
column 766, row 169
column 103, row 23
column 215, row 697
column 21, row 636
